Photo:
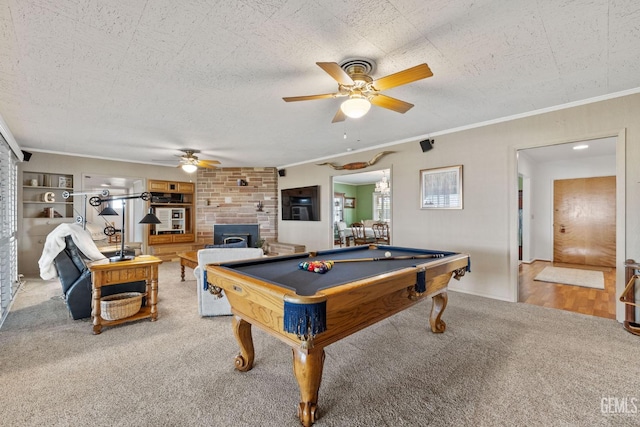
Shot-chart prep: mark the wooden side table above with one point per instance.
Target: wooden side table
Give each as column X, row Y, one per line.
column 187, row 259
column 105, row 273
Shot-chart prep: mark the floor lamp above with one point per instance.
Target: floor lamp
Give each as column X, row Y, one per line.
column 150, row 218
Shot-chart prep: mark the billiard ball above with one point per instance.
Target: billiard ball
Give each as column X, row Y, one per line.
column 387, row 254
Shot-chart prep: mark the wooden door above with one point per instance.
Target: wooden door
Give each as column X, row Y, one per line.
column 584, row 221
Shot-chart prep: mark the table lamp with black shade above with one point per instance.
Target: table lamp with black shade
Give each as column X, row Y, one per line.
column 149, row 218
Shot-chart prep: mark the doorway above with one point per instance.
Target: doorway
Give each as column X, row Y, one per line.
column 584, row 221
column 117, row 186
column 362, row 197
column 539, row 167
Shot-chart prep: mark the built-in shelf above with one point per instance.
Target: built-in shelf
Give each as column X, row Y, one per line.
column 43, row 209
column 173, row 204
column 42, row 195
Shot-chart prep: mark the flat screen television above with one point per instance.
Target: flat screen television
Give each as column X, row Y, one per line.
column 301, row 204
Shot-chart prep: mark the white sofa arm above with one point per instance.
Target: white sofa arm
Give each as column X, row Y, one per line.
column 208, row 304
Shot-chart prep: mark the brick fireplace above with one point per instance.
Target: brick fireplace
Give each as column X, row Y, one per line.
column 221, row 201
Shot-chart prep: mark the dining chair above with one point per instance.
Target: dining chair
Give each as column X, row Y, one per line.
column 381, row 233
column 359, row 235
column 344, row 234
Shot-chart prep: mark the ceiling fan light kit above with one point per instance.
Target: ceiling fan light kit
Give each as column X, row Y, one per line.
column 355, row 82
column 355, row 107
column 189, row 168
column 190, row 163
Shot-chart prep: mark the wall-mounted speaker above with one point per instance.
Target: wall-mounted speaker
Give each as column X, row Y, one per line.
column 426, row 145
column 26, row 155
column 281, row 172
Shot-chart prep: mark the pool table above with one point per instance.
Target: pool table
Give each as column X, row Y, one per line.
column 309, row 310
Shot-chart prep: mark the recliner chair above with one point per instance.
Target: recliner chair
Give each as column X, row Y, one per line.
column 75, row 278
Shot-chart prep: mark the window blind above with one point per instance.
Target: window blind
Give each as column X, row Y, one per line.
column 9, row 282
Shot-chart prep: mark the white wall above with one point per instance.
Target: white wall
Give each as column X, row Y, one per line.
column 487, row 226
column 54, row 163
column 526, row 171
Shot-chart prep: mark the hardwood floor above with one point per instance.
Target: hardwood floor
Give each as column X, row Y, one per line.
column 594, row 302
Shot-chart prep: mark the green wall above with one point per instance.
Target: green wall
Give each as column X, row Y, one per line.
column 364, row 201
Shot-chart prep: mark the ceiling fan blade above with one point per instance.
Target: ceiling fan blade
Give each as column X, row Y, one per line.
column 339, row 117
column 409, row 75
column 335, row 71
column 390, row 103
column 207, row 163
column 309, row 97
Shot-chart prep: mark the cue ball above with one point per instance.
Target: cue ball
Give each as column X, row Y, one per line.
column 387, row 254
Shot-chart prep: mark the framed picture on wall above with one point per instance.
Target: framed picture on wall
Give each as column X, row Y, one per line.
column 441, row 188
column 65, row 182
column 349, row 202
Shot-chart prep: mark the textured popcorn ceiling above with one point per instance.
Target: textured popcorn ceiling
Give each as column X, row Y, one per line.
column 138, row 80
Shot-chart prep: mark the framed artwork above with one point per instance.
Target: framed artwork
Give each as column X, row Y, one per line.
column 441, row 188
column 349, row 202
column 64, row 181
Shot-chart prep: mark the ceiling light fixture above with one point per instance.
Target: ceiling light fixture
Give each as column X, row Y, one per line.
column 383, row 186
column 356, row 106
column 189, row 168
column 580, row 147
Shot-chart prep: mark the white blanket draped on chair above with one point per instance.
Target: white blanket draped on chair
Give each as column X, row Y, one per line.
column 54, row 244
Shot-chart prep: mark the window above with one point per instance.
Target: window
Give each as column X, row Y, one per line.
column 382, row 207
column 8, row 228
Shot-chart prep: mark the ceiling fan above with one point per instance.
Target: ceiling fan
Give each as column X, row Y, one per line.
column 362, row 90
column 189, row 162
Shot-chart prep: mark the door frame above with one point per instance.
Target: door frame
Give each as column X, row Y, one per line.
column 620, row 136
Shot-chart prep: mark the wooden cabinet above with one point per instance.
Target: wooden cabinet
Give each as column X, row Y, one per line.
column 158, row 186
column 186, row 187
column 171, row 187
column 174, row 205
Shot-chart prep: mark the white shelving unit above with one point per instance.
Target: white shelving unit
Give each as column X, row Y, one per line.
column 43, row 209
column 173, row 220
column 42, row 195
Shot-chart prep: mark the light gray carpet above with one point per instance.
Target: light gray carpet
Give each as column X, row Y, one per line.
column 572, row 276
column 498, row 363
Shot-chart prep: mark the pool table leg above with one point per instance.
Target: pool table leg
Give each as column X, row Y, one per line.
column 242, row 330
column 439, row 304
column 307, row 367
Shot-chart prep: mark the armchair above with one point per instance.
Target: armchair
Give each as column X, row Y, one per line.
column 208, row 304
column 75, row 279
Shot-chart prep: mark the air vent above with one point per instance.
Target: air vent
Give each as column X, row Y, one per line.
column 358, row 66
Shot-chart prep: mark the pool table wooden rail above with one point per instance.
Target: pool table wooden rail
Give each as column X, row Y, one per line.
column 350, row 308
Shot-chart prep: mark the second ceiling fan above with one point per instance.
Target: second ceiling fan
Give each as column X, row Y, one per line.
column 189, row 162
column 355, row 83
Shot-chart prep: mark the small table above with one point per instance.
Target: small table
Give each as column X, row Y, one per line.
column 309, row 311
column 105, row 273
column 187, row 259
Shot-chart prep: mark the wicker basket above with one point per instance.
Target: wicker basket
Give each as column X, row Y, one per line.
column 119, row 306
